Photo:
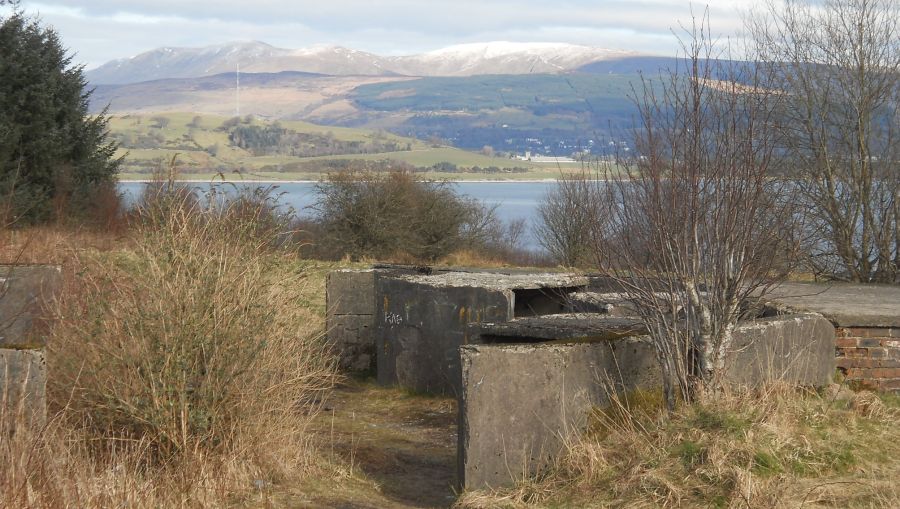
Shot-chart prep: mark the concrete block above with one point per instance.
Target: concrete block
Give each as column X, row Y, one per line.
column 421, row 320
column 350, row 292
column 519, row 403
column 798, row 348
column 420, row 328
column 23, row 381
column 24, row 292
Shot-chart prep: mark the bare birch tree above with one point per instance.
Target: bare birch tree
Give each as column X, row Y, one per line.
column 699, row 227
column 837, row 65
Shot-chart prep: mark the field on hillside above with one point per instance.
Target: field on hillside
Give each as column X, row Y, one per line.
column 207, row 145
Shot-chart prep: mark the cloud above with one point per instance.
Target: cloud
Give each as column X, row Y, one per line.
column 102, row 30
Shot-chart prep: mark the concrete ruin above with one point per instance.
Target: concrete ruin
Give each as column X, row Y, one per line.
column 24, row 291
column 422, row 320
column 530, row 354
column 867, row 323
column 350, row 320
column 528, row 385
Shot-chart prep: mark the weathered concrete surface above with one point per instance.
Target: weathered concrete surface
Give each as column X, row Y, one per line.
column 24, row 291
column 422, row 320
column 567, row 327
column 797, row 348
column 349, row 317
column 421, row 328
column 519, row 402
column 23, row 381
column 350, row 292
column 844, row 304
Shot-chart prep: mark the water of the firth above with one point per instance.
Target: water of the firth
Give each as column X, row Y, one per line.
column 514, row 200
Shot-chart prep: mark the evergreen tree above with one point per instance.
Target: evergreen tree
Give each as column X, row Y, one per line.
column 52, row 152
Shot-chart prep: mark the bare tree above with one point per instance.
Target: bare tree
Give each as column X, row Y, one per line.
column 837, row 66
column 696, row 219
column 568, row 216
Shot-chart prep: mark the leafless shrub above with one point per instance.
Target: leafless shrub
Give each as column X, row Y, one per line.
column 697, row 218
column 568, row 218
column 836, row 67
column 188, row 352
column 389, row 214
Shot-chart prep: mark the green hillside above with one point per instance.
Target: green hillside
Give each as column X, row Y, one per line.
column 206, row 145
column 556, row 114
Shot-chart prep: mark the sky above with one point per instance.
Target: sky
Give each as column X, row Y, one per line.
column 103, row 30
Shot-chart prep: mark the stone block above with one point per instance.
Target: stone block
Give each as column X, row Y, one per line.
column 23, row 381
column 25, row 290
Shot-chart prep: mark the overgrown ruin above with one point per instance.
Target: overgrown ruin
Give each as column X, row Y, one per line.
column 530, row 355
column 24, row 292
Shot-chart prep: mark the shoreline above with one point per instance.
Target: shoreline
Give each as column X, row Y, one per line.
column 262, row 181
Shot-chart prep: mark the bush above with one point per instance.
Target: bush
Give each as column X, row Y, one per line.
column 377, row 215
column 570, row 216
column 192, row 343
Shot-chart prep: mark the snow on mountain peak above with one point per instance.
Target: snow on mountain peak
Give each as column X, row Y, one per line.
column 503, row 48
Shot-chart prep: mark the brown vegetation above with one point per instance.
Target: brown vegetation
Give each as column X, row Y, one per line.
column 772, row 447
column 183, row 372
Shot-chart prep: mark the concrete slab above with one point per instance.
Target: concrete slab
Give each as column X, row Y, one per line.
column 844, row 304
column 567, row 327
column 24, row 291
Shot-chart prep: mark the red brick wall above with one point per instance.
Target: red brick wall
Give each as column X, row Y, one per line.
column 870, row 356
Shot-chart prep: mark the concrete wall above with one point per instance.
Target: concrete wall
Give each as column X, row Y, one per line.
column 519, row 403
column 421, row 327
column 24, row 292
column 350, row 317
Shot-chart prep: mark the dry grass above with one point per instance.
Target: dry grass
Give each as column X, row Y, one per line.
column 185, row 367
column 769, row 448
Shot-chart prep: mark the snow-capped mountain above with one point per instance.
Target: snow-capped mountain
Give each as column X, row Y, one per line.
column 504, row 58
column 459, row 60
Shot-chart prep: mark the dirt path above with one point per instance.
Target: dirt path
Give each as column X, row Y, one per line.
column 402, row 447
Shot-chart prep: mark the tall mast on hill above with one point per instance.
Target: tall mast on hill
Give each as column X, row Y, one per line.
column 237, row 91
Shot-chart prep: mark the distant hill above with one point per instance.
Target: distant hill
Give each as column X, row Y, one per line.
column 630, row 65
column 259, row 57
column 587, row 107
column 554, row 114
column 207, row 145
